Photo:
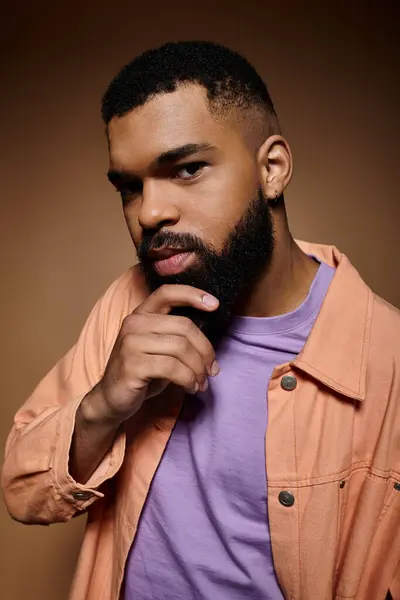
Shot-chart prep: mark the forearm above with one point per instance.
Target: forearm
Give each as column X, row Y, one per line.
column 92, row 439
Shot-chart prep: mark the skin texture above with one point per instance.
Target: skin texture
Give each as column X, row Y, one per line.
column 239, row 164
column 154, row 347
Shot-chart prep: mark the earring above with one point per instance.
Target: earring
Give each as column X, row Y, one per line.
column 274, row 202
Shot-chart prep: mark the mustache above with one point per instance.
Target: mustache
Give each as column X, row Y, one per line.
column 166, row 239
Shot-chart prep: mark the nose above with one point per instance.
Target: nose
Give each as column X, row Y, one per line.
column 157, row 209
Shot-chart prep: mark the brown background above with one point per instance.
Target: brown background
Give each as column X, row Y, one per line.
column 332, row 70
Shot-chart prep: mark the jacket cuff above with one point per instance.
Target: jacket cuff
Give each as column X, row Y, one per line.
column 82, row 496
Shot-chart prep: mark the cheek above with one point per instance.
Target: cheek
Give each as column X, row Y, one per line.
column 222, row 205
column 214, row 223
column 132, row 222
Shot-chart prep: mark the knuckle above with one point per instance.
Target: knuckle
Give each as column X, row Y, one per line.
column 129, row 322
column 185, row 376
column 128, row 344
column 163, row 291
column 175, row 343
column 187, row 324
column 182, row 345
column 210, row 351
column 191, row 380
column 211, row 356
column 139, row 367
column 169, row 365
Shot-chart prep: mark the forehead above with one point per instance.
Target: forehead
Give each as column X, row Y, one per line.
column 165, row 122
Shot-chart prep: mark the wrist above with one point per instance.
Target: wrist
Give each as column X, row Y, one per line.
column 93, row 410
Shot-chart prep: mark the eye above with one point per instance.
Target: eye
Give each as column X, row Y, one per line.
column 129, row 189
column 190, row 170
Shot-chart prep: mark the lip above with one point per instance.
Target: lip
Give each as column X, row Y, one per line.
column 172, row 262
column 163, row 253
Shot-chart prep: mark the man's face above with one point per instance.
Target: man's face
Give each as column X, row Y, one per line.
column 190, row 187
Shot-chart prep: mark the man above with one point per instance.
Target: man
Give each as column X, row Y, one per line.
column 229, row 417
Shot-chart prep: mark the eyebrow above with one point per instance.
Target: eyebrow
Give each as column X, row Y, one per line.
column 168, row 157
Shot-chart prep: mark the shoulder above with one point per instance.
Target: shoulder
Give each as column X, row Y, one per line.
column 385, row 327
column 383, row 364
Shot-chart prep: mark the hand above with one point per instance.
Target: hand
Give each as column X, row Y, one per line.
column 153, row 349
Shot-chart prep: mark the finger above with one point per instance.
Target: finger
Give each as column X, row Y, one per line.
column 173, row 325
column 167, row 296
column 174, row 346
column 186, row 328
column 151, row 367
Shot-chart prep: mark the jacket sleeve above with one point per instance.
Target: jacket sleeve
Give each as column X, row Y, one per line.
column 37, row 485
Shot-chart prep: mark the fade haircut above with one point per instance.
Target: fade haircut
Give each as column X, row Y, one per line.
column 228, row 78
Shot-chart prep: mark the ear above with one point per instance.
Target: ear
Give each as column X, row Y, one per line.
column 275, row 166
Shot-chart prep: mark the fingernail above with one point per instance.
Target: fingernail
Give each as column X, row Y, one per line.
column 210, row 301
column 204, row 386
column 215, row 368
column 196, row 388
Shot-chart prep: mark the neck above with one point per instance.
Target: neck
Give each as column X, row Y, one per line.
column 285, row 284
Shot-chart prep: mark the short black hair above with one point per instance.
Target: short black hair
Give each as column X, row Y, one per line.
column 228, row 78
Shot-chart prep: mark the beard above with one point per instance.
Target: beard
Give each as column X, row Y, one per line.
column 229, row 275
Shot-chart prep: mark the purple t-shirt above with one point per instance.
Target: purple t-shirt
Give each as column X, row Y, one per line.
column 204, row 533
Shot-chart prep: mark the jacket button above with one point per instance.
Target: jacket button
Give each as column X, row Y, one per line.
column 289, row 383
column 81, row 495
column 397, row 486
column 286, row 498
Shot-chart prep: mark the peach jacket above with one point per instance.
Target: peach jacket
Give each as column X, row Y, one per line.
column 332, row 444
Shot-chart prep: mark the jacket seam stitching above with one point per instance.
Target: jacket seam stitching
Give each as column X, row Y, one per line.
column 332, row 477
column 365, row 337
column 298, row 498
column 52, row 455
column 338, row 387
